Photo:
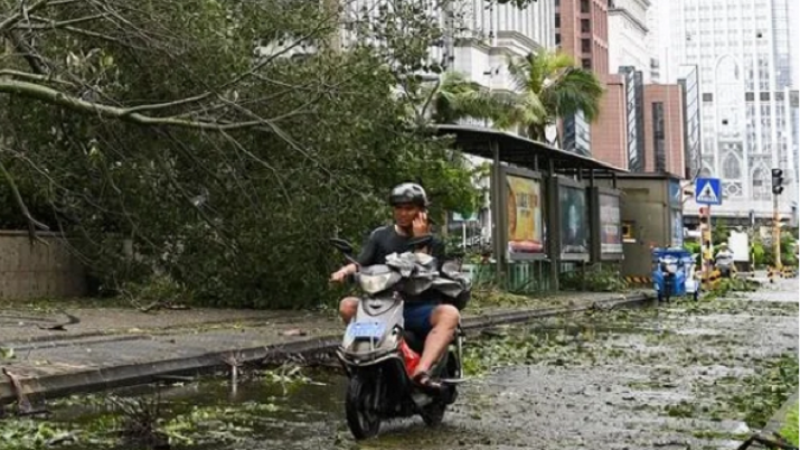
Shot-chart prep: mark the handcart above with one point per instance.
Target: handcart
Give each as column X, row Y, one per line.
column 674, row 273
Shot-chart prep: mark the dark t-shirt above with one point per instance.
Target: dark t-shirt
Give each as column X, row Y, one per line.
column 384, row 241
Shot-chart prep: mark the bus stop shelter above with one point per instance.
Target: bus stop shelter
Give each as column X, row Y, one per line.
column 546, row 208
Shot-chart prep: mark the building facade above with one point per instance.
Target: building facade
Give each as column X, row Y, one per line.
column 689, row 81
column 582, row 32
column 628, row 36
column 610, row 138
column 664, row 129
column 742, row 51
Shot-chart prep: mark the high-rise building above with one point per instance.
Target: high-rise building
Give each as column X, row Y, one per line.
column 664, row 129
column 619, row 131
column 610, row 138
column 582, row 32
column 742, row 51
column 658, row 39
column 689, row 80
column 628, row 36
column 494, row 32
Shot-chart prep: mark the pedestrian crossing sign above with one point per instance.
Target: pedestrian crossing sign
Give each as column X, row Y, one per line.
column 708, row 191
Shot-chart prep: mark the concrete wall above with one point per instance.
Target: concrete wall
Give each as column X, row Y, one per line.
column 41, row 270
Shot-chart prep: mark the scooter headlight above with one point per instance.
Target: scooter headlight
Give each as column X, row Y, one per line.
column 372, row 284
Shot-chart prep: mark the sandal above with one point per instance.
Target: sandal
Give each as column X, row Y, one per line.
column 424, row 381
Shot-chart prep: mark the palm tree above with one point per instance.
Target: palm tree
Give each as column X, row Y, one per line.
column 550, row 87
column 455, row 98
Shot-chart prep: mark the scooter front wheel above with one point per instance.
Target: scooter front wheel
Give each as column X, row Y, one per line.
column 362, row 416
column 433, row 414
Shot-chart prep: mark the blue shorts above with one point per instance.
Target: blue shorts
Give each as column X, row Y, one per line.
column 417, row 316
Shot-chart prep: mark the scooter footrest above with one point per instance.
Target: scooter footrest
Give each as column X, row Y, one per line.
column 453, row 380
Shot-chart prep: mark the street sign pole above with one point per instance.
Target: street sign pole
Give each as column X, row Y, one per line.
column 777, row 189
column 776, row 234
column 708, row 192
column 707, row 249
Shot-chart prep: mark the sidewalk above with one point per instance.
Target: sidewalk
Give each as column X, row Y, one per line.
column 115, row 347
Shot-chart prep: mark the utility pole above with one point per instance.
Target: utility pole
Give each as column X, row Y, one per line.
column 777, row 189
column 706, row 248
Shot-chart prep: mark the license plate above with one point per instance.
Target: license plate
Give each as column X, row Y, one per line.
column 366, row 329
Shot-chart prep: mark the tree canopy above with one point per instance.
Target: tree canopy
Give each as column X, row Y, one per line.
column 226, row 140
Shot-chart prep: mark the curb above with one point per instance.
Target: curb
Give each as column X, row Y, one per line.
column 775, row 423
column 135, row 374
column 117, row 333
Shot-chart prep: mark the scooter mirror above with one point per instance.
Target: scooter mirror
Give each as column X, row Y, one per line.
column 342, row 245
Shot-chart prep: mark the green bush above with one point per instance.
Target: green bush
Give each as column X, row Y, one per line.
column 695, row 249
column 759, row 254
column 790, row 427
column 598, row 278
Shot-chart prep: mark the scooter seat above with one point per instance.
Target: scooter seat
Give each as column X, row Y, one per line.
column 414, row 341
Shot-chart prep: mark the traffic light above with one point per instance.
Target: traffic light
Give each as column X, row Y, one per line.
column 703, row 215
column 777, row 181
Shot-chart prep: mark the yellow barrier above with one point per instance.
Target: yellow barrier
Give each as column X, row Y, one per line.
column 633, row 280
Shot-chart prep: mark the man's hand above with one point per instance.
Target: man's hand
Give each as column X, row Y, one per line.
column 420, row 226
column 342, row 274
column 339, row 276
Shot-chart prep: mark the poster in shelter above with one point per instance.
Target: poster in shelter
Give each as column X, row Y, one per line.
column 574, row 220
column 525, row 222
column 610, row 225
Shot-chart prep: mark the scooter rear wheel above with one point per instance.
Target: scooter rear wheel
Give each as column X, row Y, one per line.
column 362, row 417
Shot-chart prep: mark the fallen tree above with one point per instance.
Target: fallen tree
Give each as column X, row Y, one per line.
column 214, row 143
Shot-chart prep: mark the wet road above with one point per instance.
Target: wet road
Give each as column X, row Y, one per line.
column 681, row 376
column 588, row 388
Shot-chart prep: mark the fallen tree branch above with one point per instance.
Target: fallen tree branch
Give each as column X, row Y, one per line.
column 34, row 77
column 23, row 404
column 16, row 17
column 157, row 106
column 50, row 23
column 32, row 222
column 54, row 97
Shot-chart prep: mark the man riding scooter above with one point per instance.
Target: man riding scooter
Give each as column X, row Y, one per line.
column 425, row 316
column 724, row 261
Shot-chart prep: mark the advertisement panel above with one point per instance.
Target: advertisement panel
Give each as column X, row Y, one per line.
column 525, row 221
column 675, row 194
column 610, row 224
column 574, row 219
column 677, row 228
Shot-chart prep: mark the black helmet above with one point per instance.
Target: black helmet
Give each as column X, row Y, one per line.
column 409, row 193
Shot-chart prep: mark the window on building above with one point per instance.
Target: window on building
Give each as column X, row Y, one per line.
column 761, row 189
column 586, row 26
column 586, row 63
column 558, row 38
column 708, row 97
column 585, row 6
column 659, row 144
column 558, row 20
column 586, row 45
column 731, row 169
